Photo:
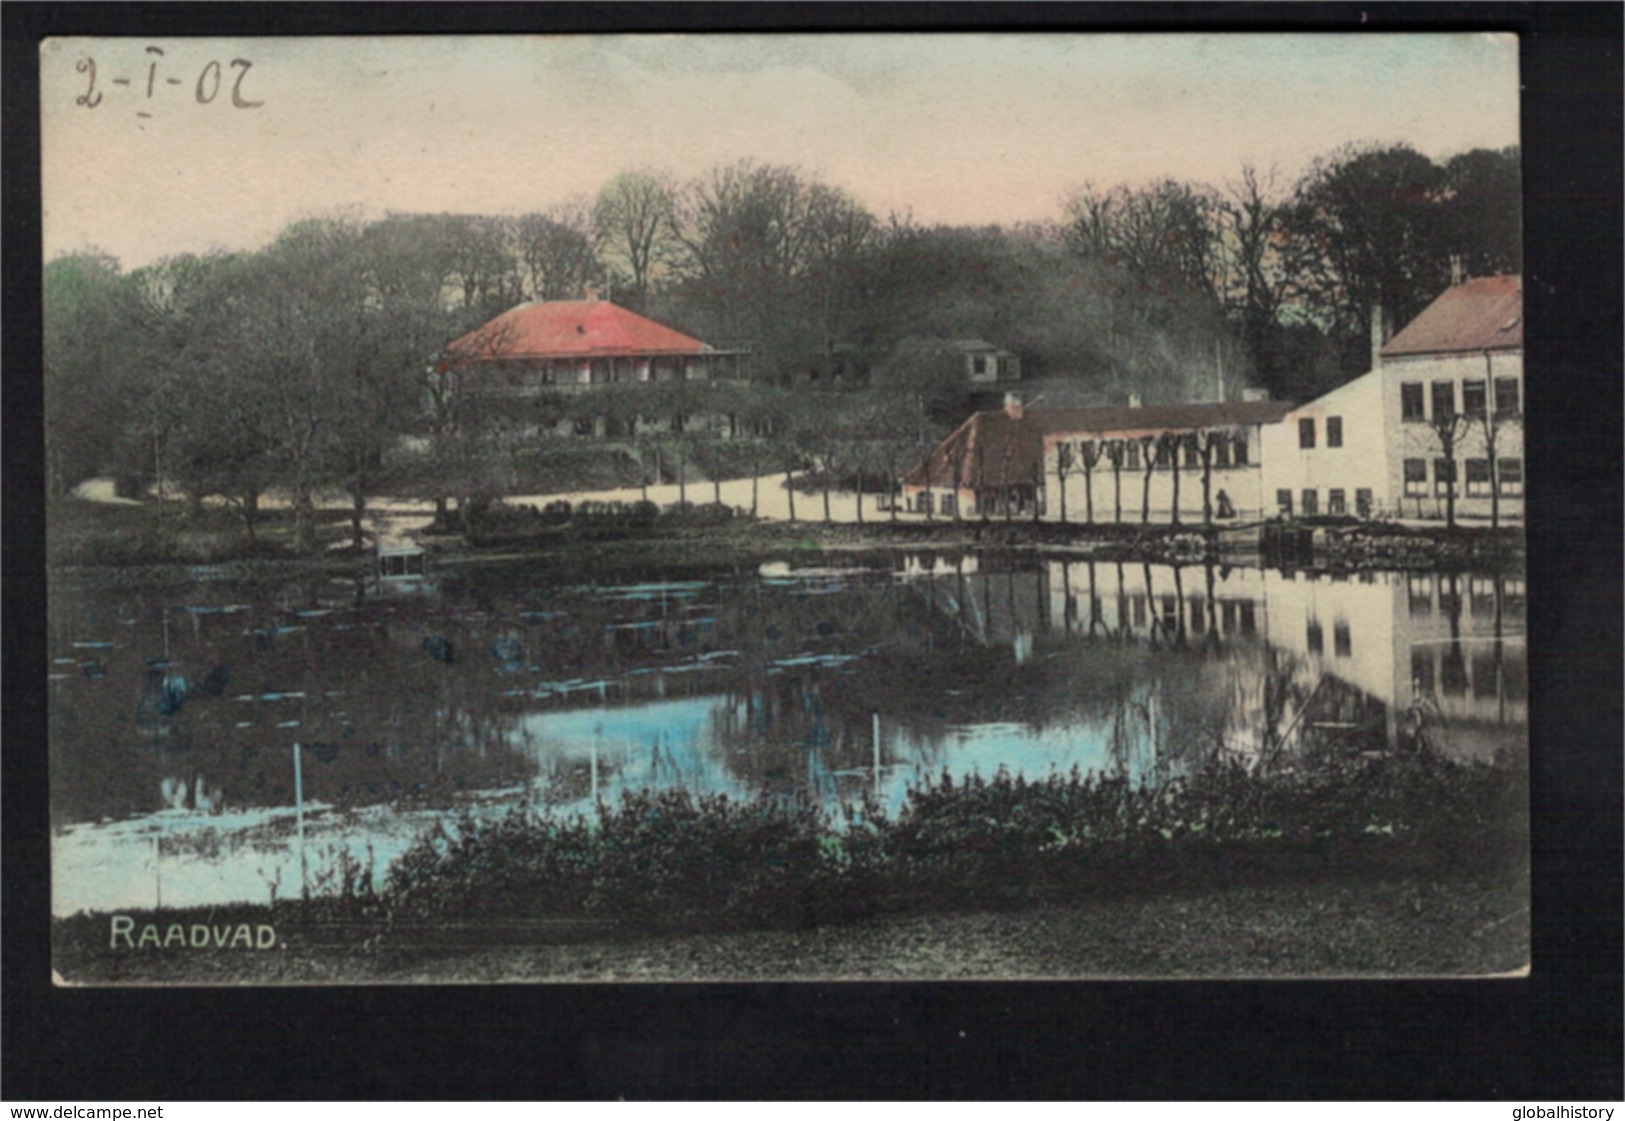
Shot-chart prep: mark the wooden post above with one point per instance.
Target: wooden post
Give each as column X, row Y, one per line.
column 299, row 818
column 875, row 716
column 594, row 762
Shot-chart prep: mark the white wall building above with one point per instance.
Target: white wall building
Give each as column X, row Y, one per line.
column 1440, row 411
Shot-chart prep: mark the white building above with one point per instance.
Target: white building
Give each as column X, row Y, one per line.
column 1438, row 416
column 1100, row 465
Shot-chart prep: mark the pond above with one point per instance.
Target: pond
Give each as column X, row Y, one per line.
column 178, row 710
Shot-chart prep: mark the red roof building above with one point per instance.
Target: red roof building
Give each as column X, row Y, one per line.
column 573, row 343
column 1005, row 460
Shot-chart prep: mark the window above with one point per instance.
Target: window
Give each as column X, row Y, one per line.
column 978, row 365
column 1227, row 615
column 1249, row 619
column 1506, row 395
column 1240, row 450
column 1472, row 396
column 1449, row 595
column 950, row 503
column 1511, row 472
column 1163, row 458
column 1335, row 503
column 1311, row 502
column 1334, row 432
column 922, row 502
column 1198, row 615
column 1422, row 670
column 1416, row 478
column 1221, row 452
column 1193, row 454
column 1131, row 457
column 1453, row 671
column 1283, row 502
column 1478, row 478
column 1444, row 400
column 1316, row 637
column 1362, row 502
column 1306, row 432
column 1410, row 401
column 1342, row 644
column 1444, row 477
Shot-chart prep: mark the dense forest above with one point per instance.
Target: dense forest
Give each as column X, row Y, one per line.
column 298, row 366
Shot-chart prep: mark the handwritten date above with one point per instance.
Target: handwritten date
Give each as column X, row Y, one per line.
column 205, row 89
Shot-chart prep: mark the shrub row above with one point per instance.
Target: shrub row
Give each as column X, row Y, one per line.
column 677, row 860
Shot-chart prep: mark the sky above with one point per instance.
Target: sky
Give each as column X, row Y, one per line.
column 154, row 157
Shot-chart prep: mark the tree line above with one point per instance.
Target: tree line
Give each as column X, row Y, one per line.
column 299, row 366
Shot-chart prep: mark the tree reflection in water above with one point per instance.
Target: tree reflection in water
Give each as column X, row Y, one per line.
column 762, row 681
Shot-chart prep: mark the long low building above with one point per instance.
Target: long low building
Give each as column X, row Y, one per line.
column 1434, row 430
column 1104, row 465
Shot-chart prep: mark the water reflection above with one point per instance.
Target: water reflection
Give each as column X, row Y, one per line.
column 834, row 680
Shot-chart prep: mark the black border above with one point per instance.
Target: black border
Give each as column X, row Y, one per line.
column 1555, row 1036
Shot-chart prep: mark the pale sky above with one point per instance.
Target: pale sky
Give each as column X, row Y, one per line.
column 955, row 128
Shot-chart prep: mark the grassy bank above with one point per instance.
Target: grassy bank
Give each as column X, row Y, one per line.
column 1397, row 925
column 1448, row 838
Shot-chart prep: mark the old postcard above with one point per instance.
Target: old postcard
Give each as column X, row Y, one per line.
column 648, row 508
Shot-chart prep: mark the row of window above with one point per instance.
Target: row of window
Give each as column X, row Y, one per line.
column 1227, row 452
column 1336, row 501
column 1334, row 432
column 1473, row 394
column 1232, row 615
column 1342, row 643
column 1480, row 482
column 1484, row 598
column 1495, row 673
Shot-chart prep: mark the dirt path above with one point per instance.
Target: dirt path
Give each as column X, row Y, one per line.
column 1392, row 927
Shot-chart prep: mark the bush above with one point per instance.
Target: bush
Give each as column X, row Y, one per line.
column 668, row 859
column 697, row 514
column 672, row 859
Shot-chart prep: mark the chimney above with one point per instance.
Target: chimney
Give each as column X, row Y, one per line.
column 1255, row 394
column 1134, row 401
column 1457, row 273
column 1013, row 407
column 1379, row 335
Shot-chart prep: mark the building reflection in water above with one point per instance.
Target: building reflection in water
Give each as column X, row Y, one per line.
column 774, row 681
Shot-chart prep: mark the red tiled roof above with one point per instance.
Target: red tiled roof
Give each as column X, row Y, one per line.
column 572, row 329
column 998, row 447
column 1482, row 314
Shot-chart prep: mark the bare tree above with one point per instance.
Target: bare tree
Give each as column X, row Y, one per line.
column 1252, row 218
column 1148, row 448
column 558, row 250
column 1117, row 453
column 1164, row 234
column 1064, row 460
column 1447, row 430
column 1492, row 425
column 636, row 220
